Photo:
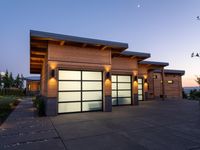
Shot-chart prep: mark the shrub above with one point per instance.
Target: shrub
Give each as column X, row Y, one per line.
column 39, row 103
column 195, row 95
column 184, row 94
column 12, row 91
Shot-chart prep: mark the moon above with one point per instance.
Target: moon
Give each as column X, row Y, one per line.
column 138, row 6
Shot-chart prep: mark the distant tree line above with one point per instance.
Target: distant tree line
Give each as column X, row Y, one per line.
column 8, row 81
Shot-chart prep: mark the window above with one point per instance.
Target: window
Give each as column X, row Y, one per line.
column 170, row 81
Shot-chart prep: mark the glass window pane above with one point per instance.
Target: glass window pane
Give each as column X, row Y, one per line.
column 92, row 95
column 124, row 86
column 140, row 97
column 69, row 107
column 114, row 79
column 87, row 75
column 69, row 75
column 139, row 80
column 69, row 85
column 139, row 91
column 90, row 106
column 114, row 86
column 114, row 101
column 124, row 79
column 114, row 93
column 92, row 85
column 124, row 93
column 69, row 96
column 139, row 86
column 122, row 101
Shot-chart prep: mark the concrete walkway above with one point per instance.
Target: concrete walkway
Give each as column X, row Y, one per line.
column 23, row 131
column 153, row 125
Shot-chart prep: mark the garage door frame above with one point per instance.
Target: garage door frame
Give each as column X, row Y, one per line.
column 81, row 91
column 131, row 97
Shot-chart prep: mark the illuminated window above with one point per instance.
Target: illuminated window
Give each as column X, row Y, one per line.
column 170, row 81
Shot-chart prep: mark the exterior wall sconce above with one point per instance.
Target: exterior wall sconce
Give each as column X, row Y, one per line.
column 145, row 80
column 135, row 78
column 52, row 73
column 108, row 75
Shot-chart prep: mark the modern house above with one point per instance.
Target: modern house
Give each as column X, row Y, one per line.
column 81, row 74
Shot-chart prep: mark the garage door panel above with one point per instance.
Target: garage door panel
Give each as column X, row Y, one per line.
column 124, row 101
column 91, row 106
column 87, row 75
column 69, row 85
column 97, row 95
column 124, row 79
column 123, row 86
column 114, row 93
column 124, row 93
column 92, row 85
column 69, row 96
column 69, row 107
column 69, row 75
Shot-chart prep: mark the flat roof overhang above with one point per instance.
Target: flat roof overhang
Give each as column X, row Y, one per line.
column 140, row 56
column 39, row 45
column 152, row 65
column 171, row 71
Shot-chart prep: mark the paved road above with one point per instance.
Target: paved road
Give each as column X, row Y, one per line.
column 154, row 125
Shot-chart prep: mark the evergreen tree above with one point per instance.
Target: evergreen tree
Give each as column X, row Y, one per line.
column 6, row 80
column 11, row 80
column 0, row 80
column 17, row 81
column 21, row 83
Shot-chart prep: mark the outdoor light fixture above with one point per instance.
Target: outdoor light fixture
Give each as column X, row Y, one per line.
column 135, row 78
column 145, row 80
column 52, row 73
column 107, row 75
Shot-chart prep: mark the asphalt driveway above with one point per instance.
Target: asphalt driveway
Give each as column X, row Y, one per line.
column 153, row 125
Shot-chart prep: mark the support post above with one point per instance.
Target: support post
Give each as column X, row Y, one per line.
column 163, row 83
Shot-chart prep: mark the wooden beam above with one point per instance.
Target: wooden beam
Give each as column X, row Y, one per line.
column 62, row 43
column 37, row 56
column 38, row 53
column 104, row 47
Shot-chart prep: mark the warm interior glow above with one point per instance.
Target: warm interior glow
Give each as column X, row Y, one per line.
column 107, row 68
column 145, row 87
column 135, row 72
column 107, row 82
column 135, row 87
column 53, row 65
column 145, row 76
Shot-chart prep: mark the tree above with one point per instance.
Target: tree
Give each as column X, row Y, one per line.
column 11, row 80
column 17, row 81
column 6, row 80
column 198, row 80
column 21, row 83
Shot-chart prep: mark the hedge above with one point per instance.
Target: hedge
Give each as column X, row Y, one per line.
column 12, row 91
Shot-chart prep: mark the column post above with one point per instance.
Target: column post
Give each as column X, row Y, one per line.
column 135, row 88
column 107, row 85
column 163, row 83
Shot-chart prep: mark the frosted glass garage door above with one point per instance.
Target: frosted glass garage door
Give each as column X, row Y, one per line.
column 79, row 91
column 121, row 90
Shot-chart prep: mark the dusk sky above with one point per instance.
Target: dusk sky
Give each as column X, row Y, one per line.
column 168, row 29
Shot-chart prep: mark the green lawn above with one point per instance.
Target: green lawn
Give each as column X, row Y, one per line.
column 7, row 104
